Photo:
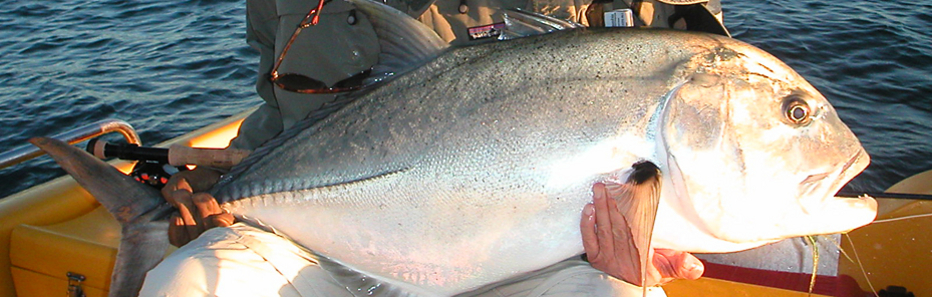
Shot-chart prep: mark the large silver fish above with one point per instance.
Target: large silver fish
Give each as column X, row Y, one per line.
column 475, row 166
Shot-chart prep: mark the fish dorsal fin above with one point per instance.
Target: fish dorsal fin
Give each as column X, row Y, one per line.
column 520, row 23
column 637, row 200
column 405, row 42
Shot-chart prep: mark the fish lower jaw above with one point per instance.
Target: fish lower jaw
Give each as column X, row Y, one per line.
column 829, row 216
column 707, row 243
column 855, row 212
column 723, row 234
column 729, row 233
column 828, row 205
column 811, row 205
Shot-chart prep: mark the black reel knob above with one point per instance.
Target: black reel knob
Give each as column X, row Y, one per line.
column 154, row 173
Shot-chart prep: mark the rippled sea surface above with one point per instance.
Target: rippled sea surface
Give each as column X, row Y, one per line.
column 166, row 67
column 171, row 67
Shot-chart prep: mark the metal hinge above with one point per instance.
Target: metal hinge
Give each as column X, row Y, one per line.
column 74, row 285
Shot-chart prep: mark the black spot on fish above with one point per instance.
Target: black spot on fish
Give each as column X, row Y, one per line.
column 643, row 171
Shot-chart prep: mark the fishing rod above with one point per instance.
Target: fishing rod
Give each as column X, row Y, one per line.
column 156, row 164
column 851, row 194
column 176, row 155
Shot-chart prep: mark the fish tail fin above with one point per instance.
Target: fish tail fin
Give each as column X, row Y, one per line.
column 140, row 210
column 637, row 200
column 125, row 198
column 142, row 248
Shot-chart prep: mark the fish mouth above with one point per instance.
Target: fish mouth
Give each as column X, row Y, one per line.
column 817, row 191
column 852, row 168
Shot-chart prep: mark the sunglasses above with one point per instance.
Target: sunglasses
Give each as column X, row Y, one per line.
column 300, row 83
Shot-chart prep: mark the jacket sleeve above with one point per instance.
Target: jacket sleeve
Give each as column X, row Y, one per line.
column 258, row 127
column 266, row 121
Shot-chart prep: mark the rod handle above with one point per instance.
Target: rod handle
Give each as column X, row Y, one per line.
column 180, row 155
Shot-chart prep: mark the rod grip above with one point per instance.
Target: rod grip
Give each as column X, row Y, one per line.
column 180, row 155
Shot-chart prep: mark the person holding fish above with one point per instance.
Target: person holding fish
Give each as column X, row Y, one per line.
column 334, row 49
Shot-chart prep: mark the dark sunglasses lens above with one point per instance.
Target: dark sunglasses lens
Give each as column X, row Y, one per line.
column 354, row 81
column 297, row 83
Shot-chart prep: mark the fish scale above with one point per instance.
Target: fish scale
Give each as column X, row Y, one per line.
column 473, row 165
column 485, row 153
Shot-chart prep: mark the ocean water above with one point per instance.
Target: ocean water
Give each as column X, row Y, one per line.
column 171, row 67
column 871, row 59
column 166, row 67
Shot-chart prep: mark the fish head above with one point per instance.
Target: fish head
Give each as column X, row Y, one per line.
column 756, row 153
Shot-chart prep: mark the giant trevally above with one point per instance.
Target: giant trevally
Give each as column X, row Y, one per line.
column 472, row 165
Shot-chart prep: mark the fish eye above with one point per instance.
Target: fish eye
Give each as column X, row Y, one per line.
column 796, row 111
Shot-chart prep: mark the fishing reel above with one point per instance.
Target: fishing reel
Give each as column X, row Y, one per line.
column 153, row 173
column 152, row 167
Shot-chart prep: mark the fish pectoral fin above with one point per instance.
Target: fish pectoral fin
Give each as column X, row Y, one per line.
column 637, row 200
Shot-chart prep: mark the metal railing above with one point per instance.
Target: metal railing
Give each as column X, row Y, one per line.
column 28, row 151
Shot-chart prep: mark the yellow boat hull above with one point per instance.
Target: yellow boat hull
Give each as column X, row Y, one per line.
column 54, row 228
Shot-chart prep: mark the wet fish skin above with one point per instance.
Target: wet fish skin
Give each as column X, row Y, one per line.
column 488, row 153
column 475, row 166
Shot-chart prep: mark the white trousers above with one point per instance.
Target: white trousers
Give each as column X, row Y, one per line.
column 244, row 261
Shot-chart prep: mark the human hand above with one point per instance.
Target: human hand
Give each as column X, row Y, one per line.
column 608, row 243
column 197, row 211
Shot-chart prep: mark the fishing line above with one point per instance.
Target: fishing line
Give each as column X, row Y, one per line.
column 903, row 218
column 860, row 265
column 815, row 261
